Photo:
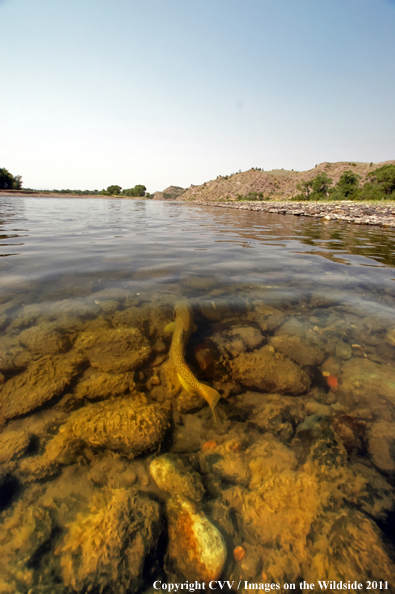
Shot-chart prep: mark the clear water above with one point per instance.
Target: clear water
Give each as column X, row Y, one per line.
column 295, row 329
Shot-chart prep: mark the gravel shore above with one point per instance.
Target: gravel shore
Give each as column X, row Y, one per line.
column 381, row 215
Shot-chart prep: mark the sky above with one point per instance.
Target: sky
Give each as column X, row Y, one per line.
column 177, row 92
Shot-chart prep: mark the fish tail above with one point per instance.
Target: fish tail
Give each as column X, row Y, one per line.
column 211, row 396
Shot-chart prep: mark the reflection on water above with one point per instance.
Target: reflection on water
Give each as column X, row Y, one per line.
column 113, row 477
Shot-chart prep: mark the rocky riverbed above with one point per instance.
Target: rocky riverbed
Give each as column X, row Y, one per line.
column 380, row 214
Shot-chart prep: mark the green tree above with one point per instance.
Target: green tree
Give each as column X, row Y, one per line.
column 136, row 192
column 348, row 184
column 385, row 177
column 8, row 181
column 320, row 186
column 114, row 190
column 305, row 187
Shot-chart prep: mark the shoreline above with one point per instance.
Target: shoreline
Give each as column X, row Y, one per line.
column 358, row 213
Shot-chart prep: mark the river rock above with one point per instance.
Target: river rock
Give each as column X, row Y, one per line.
column 390, row 337
column 343, row 350
column 129, row 425
column 40, row 382
column 13, row 444
column 367, row 381
column 12, row 355
column 109, row 544
column 298, row 349
column 382, row 446
column 172, row 476
column 268, row 456
column 44, row 339
column 238, row 340
column 292, row 327
column 104, row 385
column 269, row 371
column 196, row 547
column 114, row 351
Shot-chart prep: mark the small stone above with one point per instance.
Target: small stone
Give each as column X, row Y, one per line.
column 172, row 476
column 382, row 446
column 343, row 350
column 390, row 337
column 13, row 444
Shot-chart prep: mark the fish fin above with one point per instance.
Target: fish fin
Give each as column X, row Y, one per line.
column 185, row 385
column 211, row 396
column 194, row 327
column 170, row 327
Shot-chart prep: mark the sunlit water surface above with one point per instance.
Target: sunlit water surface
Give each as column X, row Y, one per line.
column 296, row 331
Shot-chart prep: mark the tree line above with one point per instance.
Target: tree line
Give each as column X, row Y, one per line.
column 379, row 185
column 11, row 182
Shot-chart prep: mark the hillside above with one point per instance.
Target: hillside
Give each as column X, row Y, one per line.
column 170, row 193
column 277, row 184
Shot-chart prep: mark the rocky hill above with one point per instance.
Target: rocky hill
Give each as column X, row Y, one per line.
column 171, row 193
column 278, row 184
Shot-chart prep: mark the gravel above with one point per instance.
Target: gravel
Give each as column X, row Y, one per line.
column 381, row 215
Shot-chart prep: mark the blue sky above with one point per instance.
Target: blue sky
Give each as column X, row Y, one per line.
column 160, row 92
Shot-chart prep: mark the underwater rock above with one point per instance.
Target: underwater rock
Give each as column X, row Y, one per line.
column 104, row 385
column 13, row 444
column 226, row 460
column 238, row 340
column 190, row 403
column 196, row 547
column 130, row 426
column 12, row 355
column 367, row 381
column 214, row 311
column 172, row 476
column 114, row 351
column 316, row 440
column 348, row 546
column 274, row 413
column 25, row 528
column 268, row 456
column 149, row 320
column 292, row 327
column 40, row 382
column 108, row 545
column 298, row 350
column 200, row 282
column 390, row 337
column 382, row 446
column 44, row 339
column 269, row 371
column 352, row 432
column 343, row 350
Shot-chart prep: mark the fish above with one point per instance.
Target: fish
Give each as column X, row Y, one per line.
column 182, row 328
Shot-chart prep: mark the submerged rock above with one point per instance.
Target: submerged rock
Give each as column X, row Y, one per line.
column 104, row 385
column 40, row 382
column 269, row 371
column 172, row 476
column 298, row 350
column 44, row 339
column 13, row 444
column 116, row 350
column 238, row 340
column 368, row 381
column 196, row 547
column 127, row 425
column 108, row 545
column 382, row 446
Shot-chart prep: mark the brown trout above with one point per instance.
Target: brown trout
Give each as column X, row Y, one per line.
column 182, row 328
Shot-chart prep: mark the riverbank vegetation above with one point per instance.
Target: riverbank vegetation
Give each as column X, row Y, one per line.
column 379, row 185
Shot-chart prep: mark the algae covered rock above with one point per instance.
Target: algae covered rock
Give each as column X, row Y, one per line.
column 172, row 476
column 349, row 546
column 238, row 340
column 269, row 371
column 196, row 547
column 104, row 385
column 44, row 339
column 40, row 382
column 13, row 444
column 108, row 545
column 130, row 426
column 116, row 350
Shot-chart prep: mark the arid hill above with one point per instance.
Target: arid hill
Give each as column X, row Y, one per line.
column 277, row 184
column 171, row 193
